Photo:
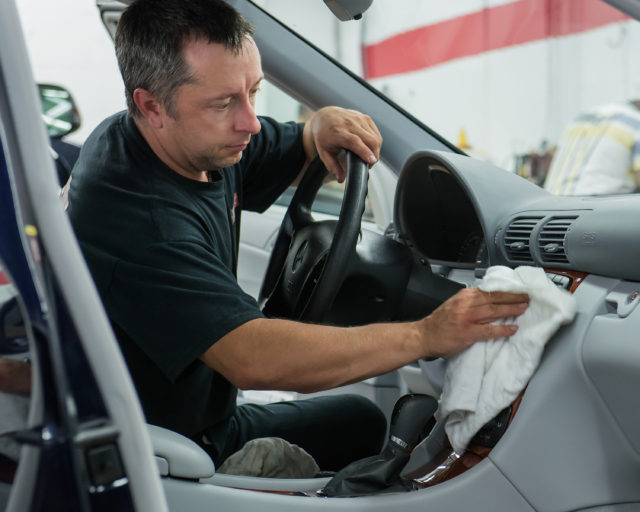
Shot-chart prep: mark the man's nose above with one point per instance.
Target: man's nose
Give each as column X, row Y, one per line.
column 246, row 120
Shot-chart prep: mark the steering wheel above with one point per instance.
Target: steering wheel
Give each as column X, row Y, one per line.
column 310, row 258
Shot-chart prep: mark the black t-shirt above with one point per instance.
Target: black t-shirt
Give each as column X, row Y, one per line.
column 162, row 250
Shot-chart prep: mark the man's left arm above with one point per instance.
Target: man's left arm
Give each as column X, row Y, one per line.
column 332, row 129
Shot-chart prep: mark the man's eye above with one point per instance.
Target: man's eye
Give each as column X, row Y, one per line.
column 222, row 106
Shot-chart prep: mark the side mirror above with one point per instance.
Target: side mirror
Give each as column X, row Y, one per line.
column 59, row 110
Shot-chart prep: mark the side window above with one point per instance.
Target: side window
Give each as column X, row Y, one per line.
column 275, row 103
column 15, row 382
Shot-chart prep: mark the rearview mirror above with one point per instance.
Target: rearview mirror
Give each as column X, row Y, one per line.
column 346, row 10
column 59, row 110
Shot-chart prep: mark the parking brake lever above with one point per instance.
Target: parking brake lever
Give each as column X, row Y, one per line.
column 378, row 473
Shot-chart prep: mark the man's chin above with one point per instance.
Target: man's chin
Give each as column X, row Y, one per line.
column 226, row 161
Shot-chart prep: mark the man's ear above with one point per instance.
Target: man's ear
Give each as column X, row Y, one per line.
column 149, row 107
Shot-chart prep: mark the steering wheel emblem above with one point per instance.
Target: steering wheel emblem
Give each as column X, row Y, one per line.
column 299, row 256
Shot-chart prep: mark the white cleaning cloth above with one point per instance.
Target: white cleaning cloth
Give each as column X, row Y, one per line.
column 486, row 377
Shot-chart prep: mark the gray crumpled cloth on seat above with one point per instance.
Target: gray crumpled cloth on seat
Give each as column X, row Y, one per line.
column 270, row 457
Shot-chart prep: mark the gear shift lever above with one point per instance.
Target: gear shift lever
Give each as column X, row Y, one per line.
column 410, row 415
column 382, row 472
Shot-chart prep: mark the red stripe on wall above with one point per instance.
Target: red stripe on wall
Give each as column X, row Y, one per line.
column 519, row 22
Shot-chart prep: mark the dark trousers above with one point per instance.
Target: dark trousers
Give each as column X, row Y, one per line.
column 334, row 430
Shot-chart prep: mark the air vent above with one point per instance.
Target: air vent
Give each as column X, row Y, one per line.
column 516, row 239
column 551, row 240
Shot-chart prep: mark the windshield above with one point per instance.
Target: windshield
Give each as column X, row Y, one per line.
column 506, row 81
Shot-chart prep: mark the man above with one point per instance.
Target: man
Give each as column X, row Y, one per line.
column 155, row 200
column 599, row 153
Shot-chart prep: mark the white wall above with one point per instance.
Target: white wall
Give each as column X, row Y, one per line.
column 507, row 101
column 511, row 100
column 69, row 46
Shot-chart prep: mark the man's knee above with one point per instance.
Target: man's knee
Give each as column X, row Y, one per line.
column 365, row 411
column 367, row 422
column 349, row 427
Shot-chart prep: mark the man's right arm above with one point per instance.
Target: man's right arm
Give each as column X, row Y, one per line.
column 287, row 355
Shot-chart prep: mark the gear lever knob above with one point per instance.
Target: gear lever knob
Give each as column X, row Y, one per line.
column 381, row 473
column 410, row 415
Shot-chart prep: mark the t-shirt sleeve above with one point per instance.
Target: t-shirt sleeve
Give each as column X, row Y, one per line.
column 177, row 303
column 273, row 160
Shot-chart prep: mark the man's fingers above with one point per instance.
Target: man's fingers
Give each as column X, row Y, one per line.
column 333, row 129
column 377, row 137
column 505, row 297
column 468, row 317
column 361, row 145
column 492, row 312
column 332, row 164
column 371, row 137
column 491, row 331
column 363, row 133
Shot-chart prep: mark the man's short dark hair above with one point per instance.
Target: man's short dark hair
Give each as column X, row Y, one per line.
column 151, row 35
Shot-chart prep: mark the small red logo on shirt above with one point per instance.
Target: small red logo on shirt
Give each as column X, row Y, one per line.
column 236, row 203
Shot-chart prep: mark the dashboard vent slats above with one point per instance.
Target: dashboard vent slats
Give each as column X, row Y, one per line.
column 516, row 239
column 551, row 240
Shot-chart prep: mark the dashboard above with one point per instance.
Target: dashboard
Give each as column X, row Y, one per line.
column 463, row 213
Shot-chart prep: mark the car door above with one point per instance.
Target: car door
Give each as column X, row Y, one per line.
column 83, row 444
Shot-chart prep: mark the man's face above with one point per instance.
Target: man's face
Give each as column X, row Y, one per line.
column 214, row 116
